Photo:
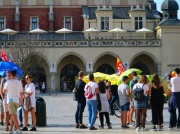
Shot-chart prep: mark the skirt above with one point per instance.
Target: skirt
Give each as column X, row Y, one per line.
column 141, row 104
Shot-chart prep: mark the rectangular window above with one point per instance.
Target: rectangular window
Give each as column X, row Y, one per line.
column 138, row 23
column 104, row 23
column 2, row 24
column 68, row 22
column 34, row 23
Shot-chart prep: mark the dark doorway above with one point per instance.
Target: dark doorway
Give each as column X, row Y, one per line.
column 68, row 76
column 105, row 68
column 142, row 67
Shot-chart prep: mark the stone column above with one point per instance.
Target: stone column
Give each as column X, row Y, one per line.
column 53, row 82
column 51, row 17
column 17, row 16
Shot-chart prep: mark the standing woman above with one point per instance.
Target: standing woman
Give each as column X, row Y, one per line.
column 30, row 91
column 157, row 102
column 141, row 106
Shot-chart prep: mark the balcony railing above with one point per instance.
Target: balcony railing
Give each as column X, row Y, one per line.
column 73, row 40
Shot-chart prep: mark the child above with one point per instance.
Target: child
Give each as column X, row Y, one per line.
column 104, row 97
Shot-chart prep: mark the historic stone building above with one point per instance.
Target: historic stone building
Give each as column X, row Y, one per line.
column 152, row 52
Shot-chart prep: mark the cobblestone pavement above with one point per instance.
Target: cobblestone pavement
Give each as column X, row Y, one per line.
column 60, row 118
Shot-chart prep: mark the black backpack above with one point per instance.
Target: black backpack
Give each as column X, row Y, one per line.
column 138, row 93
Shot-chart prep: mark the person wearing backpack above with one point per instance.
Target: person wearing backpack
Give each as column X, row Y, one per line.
column 124, row 100
column 140, row 95
column 91, row 89
column 157, row 102
column 81, row 101
column 131, row 108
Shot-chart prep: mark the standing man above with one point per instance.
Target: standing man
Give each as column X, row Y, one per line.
column 175, row 100
column 14, row 91
column 81, row 103
column 91, row 89
column 124, row 100
column 4, row 98
column 131, row 108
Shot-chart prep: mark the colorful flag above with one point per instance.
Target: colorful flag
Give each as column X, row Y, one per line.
column 3, row 55
column 172, row 74
column 10, row 58
column 119, row 67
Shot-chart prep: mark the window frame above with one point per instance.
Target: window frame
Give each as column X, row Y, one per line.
column 65, row 22
column 31, row 22
column 138, row 21
column 4, row 22
column 105, row 23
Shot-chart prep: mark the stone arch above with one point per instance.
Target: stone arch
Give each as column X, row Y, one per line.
column 108, row 60
column 37, row 65
column 71, row 53
column 67, row 70
column 144, row 61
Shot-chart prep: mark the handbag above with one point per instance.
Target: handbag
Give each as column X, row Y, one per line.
column 99, row 106
column 27, row 103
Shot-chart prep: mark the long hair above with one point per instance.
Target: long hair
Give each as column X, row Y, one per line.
column 101, row 86
column 143, row 79
column 156, row 80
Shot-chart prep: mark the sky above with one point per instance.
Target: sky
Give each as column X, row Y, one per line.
column 159, row 2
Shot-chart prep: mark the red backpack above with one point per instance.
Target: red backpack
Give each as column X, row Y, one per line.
column 88, row 92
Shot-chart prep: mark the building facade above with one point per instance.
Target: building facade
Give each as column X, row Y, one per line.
column 152, row 52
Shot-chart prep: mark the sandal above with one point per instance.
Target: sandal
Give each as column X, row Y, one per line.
column 6, row 129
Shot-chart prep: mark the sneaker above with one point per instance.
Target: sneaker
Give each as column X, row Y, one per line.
column 170, row 127
column 83, row 127
column 154, row 128
column 21, row 125
column 77, row 125
column 160, row 128
column 24, row 129
column 143, row 129
column 124, row 127
column 131, row 124
column 18, row 132
column 109, row 127
column 10, row 132
column 138, row 129
column 112, row 114
column 33, row 129
column 127, row 123
column 92, row 128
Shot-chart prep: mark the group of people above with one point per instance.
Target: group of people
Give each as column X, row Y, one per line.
column 135, row 96
column 13, row 99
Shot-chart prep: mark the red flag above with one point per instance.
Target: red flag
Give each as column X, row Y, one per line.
column 3, row 55
column 119, row 67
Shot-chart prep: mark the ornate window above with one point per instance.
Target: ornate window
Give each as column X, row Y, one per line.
column 138, row 23
column 2, row 24
column 104, row 23
column 68, row 22
column 34, row 23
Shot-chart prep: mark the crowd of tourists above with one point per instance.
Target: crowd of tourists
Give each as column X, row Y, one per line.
column 135, row 96
column 17, row 97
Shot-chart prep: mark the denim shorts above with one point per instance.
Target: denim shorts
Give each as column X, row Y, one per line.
column 125, row 107
column 141, row 104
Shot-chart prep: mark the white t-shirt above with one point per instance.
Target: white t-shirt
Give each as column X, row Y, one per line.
column 13, row 87
column 31, row 88
column 175, row 82
column 93, row 87
column 123, row 98
column 145, row 87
